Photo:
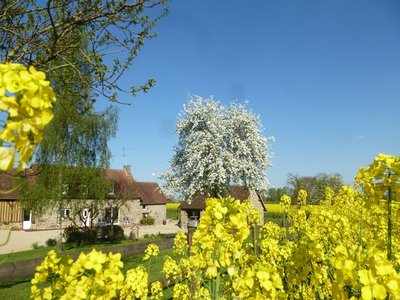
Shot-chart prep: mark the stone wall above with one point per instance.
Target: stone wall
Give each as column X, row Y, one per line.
column 132, row 210
column 11, row 225
column 158, row 212
column 184, row 219
column 48, row 220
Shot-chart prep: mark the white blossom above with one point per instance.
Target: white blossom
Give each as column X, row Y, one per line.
column 218, row 146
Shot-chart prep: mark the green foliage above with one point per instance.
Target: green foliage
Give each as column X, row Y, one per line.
column 48, row 33
column 72, row 42
column 116, row 234
column 35, row 245
column 74, row 152
column 71, row 234
column 275, row 194
column 314, row 185
column 76, row 235
column 147, row 221
column 51, row 243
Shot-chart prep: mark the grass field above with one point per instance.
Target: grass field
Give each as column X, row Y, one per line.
column 173, row 211
column 42, row 251
column 273, row 207
column 274, row 211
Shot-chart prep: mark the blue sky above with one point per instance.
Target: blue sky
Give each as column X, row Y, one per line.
column 324, row 76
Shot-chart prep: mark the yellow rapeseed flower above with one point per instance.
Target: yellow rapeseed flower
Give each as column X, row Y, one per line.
column 27, row 98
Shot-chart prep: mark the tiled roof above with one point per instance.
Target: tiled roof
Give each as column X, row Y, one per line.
column 123, row 183
column 149, row 193
column 124, row 187
column 7, row 183
column 198, row 203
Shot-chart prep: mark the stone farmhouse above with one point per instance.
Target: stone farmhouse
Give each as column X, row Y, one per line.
column 127, row 203
column 197, row 205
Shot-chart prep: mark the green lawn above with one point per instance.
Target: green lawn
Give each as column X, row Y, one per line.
column 19, row 290
column 42, row 252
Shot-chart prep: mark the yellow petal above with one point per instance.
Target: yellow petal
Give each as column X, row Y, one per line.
column 6, row 158
column 393, row 285
column 379, row 291
column 364, row 277
column 366, row 293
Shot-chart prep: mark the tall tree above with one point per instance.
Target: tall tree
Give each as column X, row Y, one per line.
column 85, row 47
column 47, row 34
column 73, row 155
column 71, row 163
column 77, row 137
column 274, row 194
column 314, row 185
column 218, row 146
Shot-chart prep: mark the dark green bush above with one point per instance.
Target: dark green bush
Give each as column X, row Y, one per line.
column 51, row 242
column 116, row 235
column 90, row 235
column 147, row 221
column 74, row 234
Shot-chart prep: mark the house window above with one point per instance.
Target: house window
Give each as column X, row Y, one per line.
column 65, row 213
column 111, row 213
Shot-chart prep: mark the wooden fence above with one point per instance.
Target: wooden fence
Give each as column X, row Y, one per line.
column 10, row 211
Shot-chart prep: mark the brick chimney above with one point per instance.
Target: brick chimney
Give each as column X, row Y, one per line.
column 128, row 170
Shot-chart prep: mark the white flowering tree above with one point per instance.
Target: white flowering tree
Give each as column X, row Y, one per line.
column 218, row 146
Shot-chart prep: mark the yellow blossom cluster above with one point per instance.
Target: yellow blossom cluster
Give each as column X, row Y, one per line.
column 375, row 281
column 27, row 98
column 92, row 276
column 180, row 244
column 222, row 261
column 135, row 285
column 156, row 290
column 302, row 197
column 151, row 250
column 285, row 203
column 382, row 175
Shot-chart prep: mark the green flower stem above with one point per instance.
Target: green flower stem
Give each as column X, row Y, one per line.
column 389, row 246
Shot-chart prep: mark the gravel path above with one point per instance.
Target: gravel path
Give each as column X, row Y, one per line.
column 23, row 240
